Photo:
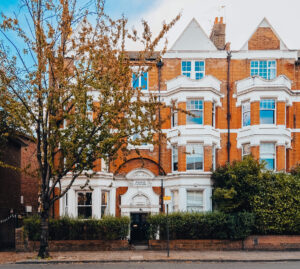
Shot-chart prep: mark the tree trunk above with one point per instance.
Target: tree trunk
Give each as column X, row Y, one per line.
column 44, row 248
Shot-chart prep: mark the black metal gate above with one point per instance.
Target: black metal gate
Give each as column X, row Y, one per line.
column 7, row 232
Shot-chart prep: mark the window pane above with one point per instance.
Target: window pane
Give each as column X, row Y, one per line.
column 175, row 158
column 80, row 198
column 194, row 157
column 267, row 153
column 198, row 119
column 144, row 79
column 246, row 149
column 267, row 117
column 85, row 212
column 246, row 119
column 199, row 75
column 194, row 201
column 269, row 163
column 195, row 107
column 135, row 81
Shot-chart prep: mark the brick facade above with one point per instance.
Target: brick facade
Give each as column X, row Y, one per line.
column 135, row 182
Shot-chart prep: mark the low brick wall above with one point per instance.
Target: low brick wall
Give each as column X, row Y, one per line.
column 24, row 245
column 259, row 242
column 202, row 244
column 272, row 242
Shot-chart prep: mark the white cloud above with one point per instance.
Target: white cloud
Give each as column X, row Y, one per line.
column 241, row 17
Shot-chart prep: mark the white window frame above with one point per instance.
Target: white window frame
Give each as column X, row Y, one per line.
column 247, row 111
column 202, row 207
column 175, row 200
column 213, row 156
column 193, row 72
column 108, row 203
column 66, row 204
column 274, row 154
column 258, row 68
column 134, row 72
column 213, row 116
column 275, row 110
column 193, row 110
column 174, row 117
column 77, row 206
column 243, row 151
column 173, row 147
column 187, row 153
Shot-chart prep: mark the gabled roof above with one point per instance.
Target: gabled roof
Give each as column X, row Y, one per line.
column 265, row 23
column 193, row 38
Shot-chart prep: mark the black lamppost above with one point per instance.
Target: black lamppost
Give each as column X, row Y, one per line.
column 159, row 65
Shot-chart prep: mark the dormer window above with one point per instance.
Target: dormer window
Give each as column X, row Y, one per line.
column 264, row 69
column 193, row 69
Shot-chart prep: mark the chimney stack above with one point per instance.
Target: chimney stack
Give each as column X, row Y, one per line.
column 217, row 35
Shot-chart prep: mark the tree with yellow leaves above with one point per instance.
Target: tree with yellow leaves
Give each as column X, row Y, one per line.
column 60, row 75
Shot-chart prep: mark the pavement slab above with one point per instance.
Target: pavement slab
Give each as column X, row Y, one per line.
column 150, row 256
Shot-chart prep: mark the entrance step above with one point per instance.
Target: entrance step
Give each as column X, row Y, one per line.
column 140, row 247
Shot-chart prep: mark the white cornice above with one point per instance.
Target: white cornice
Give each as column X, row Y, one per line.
column 236, row 55
column 258, row 82
column 194, row 133
column 255, row 88
column 256, row 134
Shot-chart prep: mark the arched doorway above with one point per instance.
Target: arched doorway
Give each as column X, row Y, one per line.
column 138, row 202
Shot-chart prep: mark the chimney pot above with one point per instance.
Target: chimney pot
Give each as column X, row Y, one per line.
column 216, row 20
column 221, row 20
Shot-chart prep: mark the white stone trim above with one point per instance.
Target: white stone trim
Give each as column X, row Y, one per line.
column 194, row 133
column 239, row 55
column 255, row 134
column 258, row 82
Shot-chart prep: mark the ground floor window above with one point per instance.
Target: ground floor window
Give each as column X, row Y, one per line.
column 175, row 202
column 194, row 201
column 66, row 204
column 246, row 150
column 84, row 205
column 104, row 203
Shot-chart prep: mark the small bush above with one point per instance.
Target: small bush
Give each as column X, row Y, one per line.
column 210, row 225
column 108, row 228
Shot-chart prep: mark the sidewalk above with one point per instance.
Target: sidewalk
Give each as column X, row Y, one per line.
column 152, row 256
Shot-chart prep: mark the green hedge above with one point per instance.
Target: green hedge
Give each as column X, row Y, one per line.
column 108, row 228
column 211, row 225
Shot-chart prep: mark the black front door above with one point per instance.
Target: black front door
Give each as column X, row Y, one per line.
column 139, row 228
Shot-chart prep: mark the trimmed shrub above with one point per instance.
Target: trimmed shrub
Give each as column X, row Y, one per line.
column 274, row 198
column 108, row 228
column 210, row 225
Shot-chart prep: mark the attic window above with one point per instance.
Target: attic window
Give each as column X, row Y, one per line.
column 264, row 69
column 193, row 69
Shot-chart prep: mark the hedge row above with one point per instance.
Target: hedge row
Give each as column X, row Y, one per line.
column 108, row 228
column 211, row 225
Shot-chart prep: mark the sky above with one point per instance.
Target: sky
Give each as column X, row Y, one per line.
column 241, row 16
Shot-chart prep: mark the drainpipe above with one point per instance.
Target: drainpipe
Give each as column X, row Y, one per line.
column 228, row 106
column 159, row 66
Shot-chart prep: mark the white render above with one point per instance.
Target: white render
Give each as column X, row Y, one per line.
column 140, row 197
column 193, row 38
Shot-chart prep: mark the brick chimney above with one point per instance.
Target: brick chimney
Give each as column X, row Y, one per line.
column 217, row 35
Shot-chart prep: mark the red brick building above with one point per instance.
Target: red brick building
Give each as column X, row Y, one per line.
column 243, row 102
column 18, row 189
